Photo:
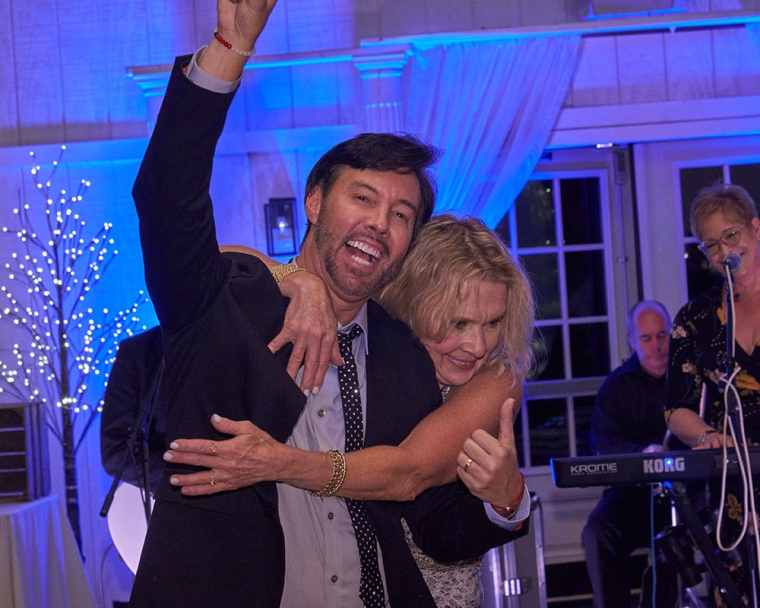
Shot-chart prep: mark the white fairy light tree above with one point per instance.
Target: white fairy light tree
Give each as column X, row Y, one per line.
column 69, row 348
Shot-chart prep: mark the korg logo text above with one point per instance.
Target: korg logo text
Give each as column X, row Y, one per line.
column 664, row 465
column 593, row 469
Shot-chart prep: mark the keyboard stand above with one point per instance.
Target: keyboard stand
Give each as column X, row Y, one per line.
column 704, row 543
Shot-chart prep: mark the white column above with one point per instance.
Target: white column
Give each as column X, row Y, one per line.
column 381, row 80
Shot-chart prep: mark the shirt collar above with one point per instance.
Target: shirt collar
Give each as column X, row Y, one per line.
column 361, row 320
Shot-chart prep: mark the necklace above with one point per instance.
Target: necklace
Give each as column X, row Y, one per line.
column 445, row 392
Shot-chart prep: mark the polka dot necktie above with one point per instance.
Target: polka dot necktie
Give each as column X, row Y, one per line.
column 371, row 585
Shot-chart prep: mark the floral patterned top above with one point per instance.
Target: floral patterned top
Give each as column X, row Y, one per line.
column 697, row 359
column 455, row 585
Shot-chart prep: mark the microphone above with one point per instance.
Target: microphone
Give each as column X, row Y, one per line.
column 732, row 262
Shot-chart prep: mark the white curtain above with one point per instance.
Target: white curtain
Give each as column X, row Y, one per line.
column 491, row 107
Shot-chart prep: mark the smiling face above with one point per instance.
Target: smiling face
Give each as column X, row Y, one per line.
column 361, row 231
column 713, row 231
column 472, row 335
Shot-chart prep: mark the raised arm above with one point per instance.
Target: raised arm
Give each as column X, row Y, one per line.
column 171, row 190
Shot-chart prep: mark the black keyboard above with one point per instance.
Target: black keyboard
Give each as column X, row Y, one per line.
column 685, row 465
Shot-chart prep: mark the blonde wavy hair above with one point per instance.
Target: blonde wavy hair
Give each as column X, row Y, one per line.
column 448, row 259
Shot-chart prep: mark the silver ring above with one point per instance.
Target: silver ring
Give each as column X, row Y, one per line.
column 213, row 481
column 467, row 465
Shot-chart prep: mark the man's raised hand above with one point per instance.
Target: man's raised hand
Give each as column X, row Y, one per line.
column 239, row 24
column 242, row 21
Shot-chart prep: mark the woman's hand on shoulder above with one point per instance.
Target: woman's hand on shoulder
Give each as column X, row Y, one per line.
column 488, row 465
column 311, row 325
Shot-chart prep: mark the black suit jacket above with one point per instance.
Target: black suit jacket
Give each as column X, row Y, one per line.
column 217, row 315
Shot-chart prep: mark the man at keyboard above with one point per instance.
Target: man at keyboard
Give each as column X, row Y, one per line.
column 628, row 418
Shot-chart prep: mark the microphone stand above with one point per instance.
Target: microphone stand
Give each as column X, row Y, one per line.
column 730, row 333
column 138, row 435
column 730, row 343
column 733, row 410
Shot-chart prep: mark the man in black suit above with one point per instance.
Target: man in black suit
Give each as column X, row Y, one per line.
column 365, row 200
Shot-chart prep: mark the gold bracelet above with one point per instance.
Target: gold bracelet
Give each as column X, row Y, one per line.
column 338, row 475
column 280, row 271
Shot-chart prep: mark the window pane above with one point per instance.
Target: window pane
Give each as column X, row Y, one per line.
column 699, row 273
column 547, row 348
column 585, row 283
column 581, row 217
column 567, row 289
column 584, row 407
column 543, row 270
column 589, row 350
column 535, row 215
column 692, row 181
column 548, row 430
column 748, row 177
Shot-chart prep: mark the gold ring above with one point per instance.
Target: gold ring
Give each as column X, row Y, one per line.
column 213, row 481
column 467, row 464
column 212, row 447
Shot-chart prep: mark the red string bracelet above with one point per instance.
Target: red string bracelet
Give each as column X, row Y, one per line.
column 514, row 506
column 229, row 46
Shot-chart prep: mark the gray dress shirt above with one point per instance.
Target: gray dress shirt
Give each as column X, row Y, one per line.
column 321, row 555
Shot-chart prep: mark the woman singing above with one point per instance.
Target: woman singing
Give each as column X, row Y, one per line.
column 724, row 218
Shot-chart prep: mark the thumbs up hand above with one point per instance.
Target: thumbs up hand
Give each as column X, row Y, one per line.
column 488, row 465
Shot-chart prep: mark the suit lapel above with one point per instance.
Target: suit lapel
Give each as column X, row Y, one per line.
column 382, row 391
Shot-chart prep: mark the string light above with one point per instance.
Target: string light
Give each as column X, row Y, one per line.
column 56, row 266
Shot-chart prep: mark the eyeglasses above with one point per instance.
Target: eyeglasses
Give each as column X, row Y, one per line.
column 729, row 238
